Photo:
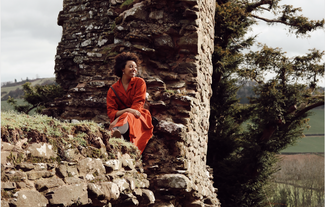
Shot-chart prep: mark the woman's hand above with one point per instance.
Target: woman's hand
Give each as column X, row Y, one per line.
column 136, row 113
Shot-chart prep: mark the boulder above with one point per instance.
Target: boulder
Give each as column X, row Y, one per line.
column 41, row 150
column 147, row 197
column 29, row 198
column 34, row 175
column 69, row 195
column 8, row 185
column 174, row 181
column 90, row 166
column 45, row 184
column 110, row 190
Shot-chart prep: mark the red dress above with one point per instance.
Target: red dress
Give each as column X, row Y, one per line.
column 140, row 129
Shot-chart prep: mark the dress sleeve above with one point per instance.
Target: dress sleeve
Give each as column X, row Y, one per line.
column 140, row 95
column 112, row 106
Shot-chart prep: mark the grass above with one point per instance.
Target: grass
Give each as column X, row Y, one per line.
column 307, row 144
column 16, row 126
column 316, row 122
column 300, row 181
column 311, row 143
column 7, row 107
column 43, row 124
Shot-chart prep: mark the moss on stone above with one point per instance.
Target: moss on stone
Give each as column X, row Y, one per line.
column 126, row 3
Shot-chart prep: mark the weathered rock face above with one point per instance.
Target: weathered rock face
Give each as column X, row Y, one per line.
column 29, row 180
column 174, row 40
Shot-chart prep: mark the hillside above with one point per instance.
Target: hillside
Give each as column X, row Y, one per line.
column 15, row 90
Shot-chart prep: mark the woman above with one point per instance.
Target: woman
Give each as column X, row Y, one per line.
column 132, row 120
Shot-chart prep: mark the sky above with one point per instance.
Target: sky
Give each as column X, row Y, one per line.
column 30, row 35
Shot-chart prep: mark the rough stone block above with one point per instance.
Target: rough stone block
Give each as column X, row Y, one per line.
column 42, row 150
column 111, row 190
column 147, row 197
column 34, row 175
column 8, row 185
column 89, row 166
column 69, row 195
column 4, row 203
column 128, row 164
column 26, row 166
column 5, row 146
column 111, row 165
column 95, row 190
column 138, row 11
column 45, row 184
column 174, row 181
column 4, row 155
column 122, row 184
column 29, row 198
column 73, row 180
column 171, row 128
column 16, row 175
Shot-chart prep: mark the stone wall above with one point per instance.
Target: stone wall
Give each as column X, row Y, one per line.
column 32, row 175
column 174, row 40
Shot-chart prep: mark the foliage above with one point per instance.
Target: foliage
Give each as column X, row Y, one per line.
column 36, row 96
column 243, row 160
column 300, row 181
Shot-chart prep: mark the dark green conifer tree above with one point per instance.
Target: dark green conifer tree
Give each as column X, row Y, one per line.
column 243, row 158
column 36, row 97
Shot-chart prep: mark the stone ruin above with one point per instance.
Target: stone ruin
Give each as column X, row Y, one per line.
column 174, row 41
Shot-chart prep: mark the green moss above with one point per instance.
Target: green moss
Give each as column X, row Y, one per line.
column 112, row 54
column 126, row 3
column 117, row 20
column 80, row 139
column 113, row 26
column 120, row 145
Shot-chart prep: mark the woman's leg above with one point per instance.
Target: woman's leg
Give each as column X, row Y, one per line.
column 124, row 130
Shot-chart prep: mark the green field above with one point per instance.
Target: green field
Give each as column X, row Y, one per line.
column 316, row 122
column 5, row 90
column 307, row 144
column 7, row 107
column 311, row 143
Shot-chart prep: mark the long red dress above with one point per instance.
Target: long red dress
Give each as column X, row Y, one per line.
column 140, row 129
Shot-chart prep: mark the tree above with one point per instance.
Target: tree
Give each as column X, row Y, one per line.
column 36, row 96
column 243, row 158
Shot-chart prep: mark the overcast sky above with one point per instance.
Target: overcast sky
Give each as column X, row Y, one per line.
column 30, row 35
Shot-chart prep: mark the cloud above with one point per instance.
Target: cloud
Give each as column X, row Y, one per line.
column 278, row 36
column 29, row 37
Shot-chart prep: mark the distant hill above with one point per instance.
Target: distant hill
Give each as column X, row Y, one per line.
column 15, row 90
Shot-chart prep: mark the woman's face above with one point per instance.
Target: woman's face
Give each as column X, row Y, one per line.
column 130, row 69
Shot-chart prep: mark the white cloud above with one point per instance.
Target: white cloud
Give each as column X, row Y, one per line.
column 29, row 37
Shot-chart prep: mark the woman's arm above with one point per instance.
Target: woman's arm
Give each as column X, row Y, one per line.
column 136, row 113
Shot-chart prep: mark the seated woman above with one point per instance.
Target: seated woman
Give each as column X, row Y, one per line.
column 125, row 105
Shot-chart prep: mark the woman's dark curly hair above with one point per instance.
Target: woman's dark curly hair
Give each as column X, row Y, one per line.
column 120, row 62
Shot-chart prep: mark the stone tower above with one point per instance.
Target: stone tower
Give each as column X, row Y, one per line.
column 174, row 41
